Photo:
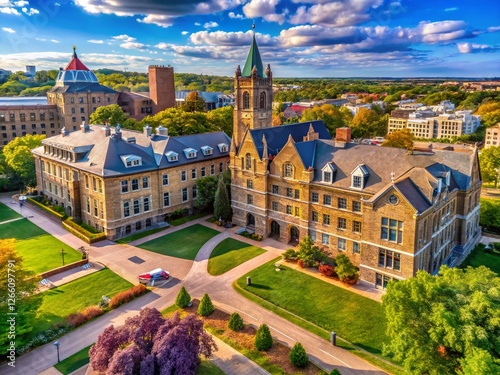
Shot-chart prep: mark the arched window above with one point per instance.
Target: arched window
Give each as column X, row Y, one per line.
column 262, row 100
column 288, row 170
column 248, row 161
column 246, row 100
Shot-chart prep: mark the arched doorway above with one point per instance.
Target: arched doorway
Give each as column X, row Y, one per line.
column 294, row 236
column 275, row 229
column 250, row 221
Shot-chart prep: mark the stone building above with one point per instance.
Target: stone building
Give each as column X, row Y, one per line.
column 121, row 181
column 492, row 138
column 77, row 94
column 392, row 212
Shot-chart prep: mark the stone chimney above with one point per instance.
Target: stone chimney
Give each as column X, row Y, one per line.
column 342, row 137
column 118, row 132
column 64, row 132
column 107, row 130
column 147, row 130
column 84, row 127
column 160, row 130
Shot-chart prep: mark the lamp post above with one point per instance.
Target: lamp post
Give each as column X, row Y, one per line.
column 57, row 347
column 22, row 200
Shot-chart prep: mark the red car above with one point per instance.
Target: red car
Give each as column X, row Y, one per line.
column 156, row 274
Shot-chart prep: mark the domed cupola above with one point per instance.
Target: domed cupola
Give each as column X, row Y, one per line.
column 75, row 72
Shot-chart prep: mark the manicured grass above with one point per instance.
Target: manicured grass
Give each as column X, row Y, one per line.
column 41, row 252
column 356, row 318
column 184, row 243
column 478, row 257
column 229, row 254
column 74, row 296
column 7, row 214
column 186, row 219
column 208, row 368
column 138, row 236
column 74, row 362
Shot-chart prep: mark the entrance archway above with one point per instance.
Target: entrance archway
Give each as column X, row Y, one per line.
column 275, row 229
column 250, row 221
column 294, row 235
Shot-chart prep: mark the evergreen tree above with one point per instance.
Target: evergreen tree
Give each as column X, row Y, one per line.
column 236, row 322
column 183, row 298
column 298, row 356
column 222, row 206
column 263, row 338
column 206, row 306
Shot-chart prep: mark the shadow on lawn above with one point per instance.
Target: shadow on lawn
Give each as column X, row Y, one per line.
column 260, row 286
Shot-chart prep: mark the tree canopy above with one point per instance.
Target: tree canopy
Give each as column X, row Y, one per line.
column 399, row 138
column 369, row 123
column 149, row 344
column 447, row 323
column 333, row 116
column 489, row 161
column 112, row 113
column 19, row 158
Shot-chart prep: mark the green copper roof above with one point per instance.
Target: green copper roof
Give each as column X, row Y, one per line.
column 253, row 59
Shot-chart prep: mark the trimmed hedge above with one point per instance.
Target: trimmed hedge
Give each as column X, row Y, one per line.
column 47, row 209
column 127, row 295
column 81, row 232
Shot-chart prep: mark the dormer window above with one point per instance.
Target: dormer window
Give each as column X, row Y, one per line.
column 172, row 156
column 328, row 173
column 359, row 177
column 207, row 150
column 190, row 153
column 222, row 147
column 131, row 160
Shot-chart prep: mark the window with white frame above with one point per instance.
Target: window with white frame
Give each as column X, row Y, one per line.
column 342, row 203
column 166, row 199
column 356, row 226
column 183, row 176
column 288, row 209
column 135, row 184
column 172, row 156
column 342, row 244
column 165, row 179
column 356, row 247
column 145, row 182
column 391, row 230
column 207, row 150
column 212, row 169
column 124, row 185
column 288, row 170
column 327, row 200
column 137, row 207
column 195, row 192
column 203, row 171
column 314, row 216
column 389, row 259
column 342, row 223
column 356, row 206
column 193, row 173
column 146, row 204
column 184, row 194
column 325, row 239
column 126, row 209
column 315, row 197
column 326, row 219
column 248, row 162
column 249, row 183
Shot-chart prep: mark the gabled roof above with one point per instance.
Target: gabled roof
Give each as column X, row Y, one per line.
column 75, row 63
column 253, row 60
column 277, row 136
column 413, row 195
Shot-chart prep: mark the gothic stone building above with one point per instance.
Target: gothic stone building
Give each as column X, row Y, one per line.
column 393, row 212
column 121, row 181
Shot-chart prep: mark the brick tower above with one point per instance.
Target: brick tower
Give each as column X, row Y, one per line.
column 161, row 87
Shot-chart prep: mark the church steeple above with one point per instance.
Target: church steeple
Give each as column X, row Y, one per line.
column 253, row 61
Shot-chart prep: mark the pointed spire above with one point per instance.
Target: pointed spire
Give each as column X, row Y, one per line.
column 253, row 60
column 311, row 129
column 264, row 147
column 232, row 147
column 74, row 52
column 237, row 72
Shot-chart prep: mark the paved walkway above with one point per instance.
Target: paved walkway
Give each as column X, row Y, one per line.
column 11, row 220
column 197, row 281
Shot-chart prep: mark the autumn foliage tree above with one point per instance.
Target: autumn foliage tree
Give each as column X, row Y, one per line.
column 447, row 323
column 149, row 344
column 399, row 139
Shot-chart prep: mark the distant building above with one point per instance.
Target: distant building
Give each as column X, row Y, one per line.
column 31, row 71
column 213, row 100
column 492, row 136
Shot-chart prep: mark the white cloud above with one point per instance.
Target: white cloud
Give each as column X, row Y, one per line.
column 124, row 38
column 210, row 25
column 30, row 11
column 185, row 32
column 197, row 24
column 265, row 9
column 7, row 10
column 134, row 45
column 235, row 16
column 235, row 39
column 451, row 9
column 474, row 48
column 492, row 29
column 95, row 41
column 21, row 3
column 8, row 30
column 55, row 41
column 441, row 31
column 159, row 20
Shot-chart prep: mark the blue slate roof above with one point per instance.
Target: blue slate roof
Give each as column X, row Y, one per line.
column 277, row 136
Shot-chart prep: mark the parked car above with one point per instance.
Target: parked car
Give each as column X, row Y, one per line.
column 154, row 275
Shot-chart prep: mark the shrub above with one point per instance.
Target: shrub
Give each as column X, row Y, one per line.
column 183, row 298
column 335, row 372
column 310, row 254
column 290, row 254
column 76, row 319
column 300, row 263
column 327, row 270
column 206, row 306
column 346, row 270
column 298, row 356
column 91, row 312
column 236, row 322
column 79, row 318
column 263, row 338
column 127, row 295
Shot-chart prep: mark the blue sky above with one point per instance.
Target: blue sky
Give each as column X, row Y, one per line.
column 299, row 38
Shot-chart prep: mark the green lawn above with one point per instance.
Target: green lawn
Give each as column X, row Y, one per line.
column 355, row 318
column 74, row 362
column 208, row 368
column 184, row 243
column 7, row 214
column 74, row 296
column 229, row 254
column 478, row 257
column 41, row 252
column 186, row 219
column 140, row 235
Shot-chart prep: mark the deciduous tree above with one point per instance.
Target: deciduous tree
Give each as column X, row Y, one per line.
column 194, row 103
column 112, row 113
column 206, row 188
column 400, row 139
column 489, row 161
column 438, row 324
column 19, row 158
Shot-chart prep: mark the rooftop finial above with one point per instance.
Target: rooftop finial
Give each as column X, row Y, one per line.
column 393, row 176
column 74, row 51
column 253, row 27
